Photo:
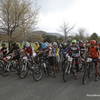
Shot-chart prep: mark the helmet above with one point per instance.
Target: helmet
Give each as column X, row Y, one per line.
column 93, row 42
column 74, row 41
column 36, row 43
column 27, row 44
column 44, row 45
column 55, row 44
column 80, row 41
column 65, row 44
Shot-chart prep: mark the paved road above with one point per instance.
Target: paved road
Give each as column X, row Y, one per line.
column 12, row 88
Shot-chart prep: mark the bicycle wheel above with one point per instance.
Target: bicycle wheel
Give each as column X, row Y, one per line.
column 86, row 74
column 66, row 66
column 1, row 66
column 37, row 73
column 5, row 71
column 23, row 70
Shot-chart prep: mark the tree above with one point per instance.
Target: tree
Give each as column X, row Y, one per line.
column 17, row 15
column 60, row 39
column 66, row 28
column 81, row 32
column 50, row 38
column 28, row 27
column 94, row 36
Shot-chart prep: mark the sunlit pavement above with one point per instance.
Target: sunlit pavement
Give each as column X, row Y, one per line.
column 13, row 88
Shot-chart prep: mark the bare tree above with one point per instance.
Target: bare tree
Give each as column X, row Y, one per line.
column 29, row 26
column 66, row 29
column 17, row 15
column 82, row 33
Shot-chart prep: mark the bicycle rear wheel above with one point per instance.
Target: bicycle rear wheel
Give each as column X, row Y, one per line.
column 86, row 74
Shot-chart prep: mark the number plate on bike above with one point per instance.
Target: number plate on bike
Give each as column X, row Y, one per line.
column 25, row 58
column 70, row 58
column 8, row 57
column 89, row 59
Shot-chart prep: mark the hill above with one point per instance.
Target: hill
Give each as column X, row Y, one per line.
column 33, row 36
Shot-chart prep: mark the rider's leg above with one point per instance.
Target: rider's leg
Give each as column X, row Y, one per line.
column 97, row 74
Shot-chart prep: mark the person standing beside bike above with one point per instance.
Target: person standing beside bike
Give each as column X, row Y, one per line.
column 15, row 53
column 74, row 51
column 54, row 57
column 94, row 53
column 3, row 49
column 55, row 52
column 15, row 50
column 82, row 49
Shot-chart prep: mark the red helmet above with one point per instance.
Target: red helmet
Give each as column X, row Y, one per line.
column 93, row 42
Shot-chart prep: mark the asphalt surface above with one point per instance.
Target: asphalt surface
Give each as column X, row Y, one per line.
column 13, row 88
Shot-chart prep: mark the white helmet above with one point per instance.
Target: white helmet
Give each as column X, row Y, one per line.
column 55, row 44
column 27, row 44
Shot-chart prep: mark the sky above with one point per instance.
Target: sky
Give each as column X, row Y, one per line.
column 80, row 13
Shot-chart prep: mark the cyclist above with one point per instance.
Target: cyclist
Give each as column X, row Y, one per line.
column 3, row 49
column 64, row 48
column 15, row 53
column 56, row 54
column 53, row 57
column 82, row 48
column 15, row 50
column 44, row 49
column 94, row 53
column 74, row 51
column 28, row 50
column 36, row 47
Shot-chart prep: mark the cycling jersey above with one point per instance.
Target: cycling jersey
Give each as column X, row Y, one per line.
column 16, row 52
column 94, row 52
column 4, row 50
column 73, row 51
column 28, row 51
column 55, row 52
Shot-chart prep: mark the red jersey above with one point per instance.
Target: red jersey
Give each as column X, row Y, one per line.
column 94, row 52
column 28, row 50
